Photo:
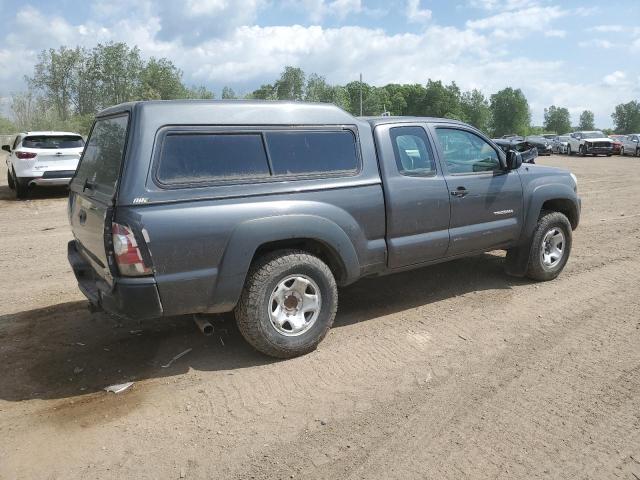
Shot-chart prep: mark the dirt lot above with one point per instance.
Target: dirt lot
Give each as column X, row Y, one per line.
column 454, row 371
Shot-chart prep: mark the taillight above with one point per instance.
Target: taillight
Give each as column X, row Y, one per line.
column 127, row 252
column 25, row 155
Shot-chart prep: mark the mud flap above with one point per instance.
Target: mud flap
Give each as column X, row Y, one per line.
column 517, row 261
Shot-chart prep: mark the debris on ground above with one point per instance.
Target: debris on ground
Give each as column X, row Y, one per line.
column 78, row 370
column 121, row 387
column 180, row 355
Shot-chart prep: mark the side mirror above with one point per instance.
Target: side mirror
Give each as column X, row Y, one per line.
column 514, row 160
column 6, row 148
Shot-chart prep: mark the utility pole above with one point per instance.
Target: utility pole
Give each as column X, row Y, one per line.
column 360, row 94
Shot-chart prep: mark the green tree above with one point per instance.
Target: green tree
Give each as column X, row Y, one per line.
column 228, row 94
column 587, row 121
column 265, row 92
column 53, row 75
column 290, row 85
column 557, row 120
column 7, row 127
column 509, row 112
column 626, row 117
column 199, row 93
column 120, row 72
column 441, row 100
column 160, row 79
column 475, row 109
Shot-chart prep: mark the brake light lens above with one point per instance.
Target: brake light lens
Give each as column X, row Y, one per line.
column 25, row 155
column 127, row 252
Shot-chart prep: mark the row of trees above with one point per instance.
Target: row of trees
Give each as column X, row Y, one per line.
column 69, row 85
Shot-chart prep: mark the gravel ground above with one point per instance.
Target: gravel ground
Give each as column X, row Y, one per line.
column 453, row 371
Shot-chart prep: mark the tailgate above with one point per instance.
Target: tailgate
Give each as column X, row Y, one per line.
column 93, row 189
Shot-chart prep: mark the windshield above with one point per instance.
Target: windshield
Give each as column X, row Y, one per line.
column 593, row 135
column 563, row 139
column 100, row 163
column 53, row 142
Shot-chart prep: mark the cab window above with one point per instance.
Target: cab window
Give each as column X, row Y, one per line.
column 465, row 152
column 412, row 151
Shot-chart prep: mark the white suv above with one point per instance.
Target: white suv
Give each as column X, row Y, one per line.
column 42, row 158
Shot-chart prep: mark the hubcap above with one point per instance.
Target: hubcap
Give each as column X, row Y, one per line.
column 294, row 305
column 553, row 245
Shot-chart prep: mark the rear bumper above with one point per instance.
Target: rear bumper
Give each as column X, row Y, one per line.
column 50, row 178
column 135, row 298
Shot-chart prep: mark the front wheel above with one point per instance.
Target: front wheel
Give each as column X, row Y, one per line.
column 622, row 151
column 569, row 150
column 550, row 246
column 288, row 303
column 583, row 151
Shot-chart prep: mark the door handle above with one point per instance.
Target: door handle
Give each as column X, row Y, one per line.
column 460, row 192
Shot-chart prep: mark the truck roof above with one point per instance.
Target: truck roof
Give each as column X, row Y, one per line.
column 384, row 120
column 237, row 112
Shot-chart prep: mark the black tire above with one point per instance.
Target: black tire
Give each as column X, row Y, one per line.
column 22, row 189
column 252, row 312
column 583, row 151
column 622, row 151
column 569, row 150
column 637, row 152
column 548, row 221
column 12, row 185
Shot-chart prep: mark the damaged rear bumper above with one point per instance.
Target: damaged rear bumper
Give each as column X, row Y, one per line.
column 135, row 298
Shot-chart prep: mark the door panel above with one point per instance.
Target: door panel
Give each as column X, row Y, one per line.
column 486, row 200
column 416, row 196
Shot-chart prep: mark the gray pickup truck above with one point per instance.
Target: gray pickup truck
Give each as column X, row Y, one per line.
column 265, row 208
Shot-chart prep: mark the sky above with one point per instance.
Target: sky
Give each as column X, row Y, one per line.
column 577, row 54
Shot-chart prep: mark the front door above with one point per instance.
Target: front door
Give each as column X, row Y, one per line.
column 416, row 195
column 486, row 199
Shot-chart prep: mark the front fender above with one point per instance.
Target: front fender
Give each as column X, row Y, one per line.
column 536, row 194
column 250, row 235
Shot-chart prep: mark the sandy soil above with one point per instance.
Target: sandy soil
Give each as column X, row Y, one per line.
column 454, row 371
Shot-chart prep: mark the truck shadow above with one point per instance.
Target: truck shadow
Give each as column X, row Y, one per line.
column 64, row 351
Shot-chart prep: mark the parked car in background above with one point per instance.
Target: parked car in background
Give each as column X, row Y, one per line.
column 528, row 152
column 542, row 144
column 617, row 143
column 265, row 208
column 42, row 159
column 560, row 144
column 630, row 144
column 590, row 143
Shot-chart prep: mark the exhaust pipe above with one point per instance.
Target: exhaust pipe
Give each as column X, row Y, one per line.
column 204, row 325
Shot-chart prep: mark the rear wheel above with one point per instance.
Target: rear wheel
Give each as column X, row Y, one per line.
column 21, row 188
column 550, row 246
column 12, row 185
column 288, row 303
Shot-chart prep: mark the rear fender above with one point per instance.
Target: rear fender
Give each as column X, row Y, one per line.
column 249, row 236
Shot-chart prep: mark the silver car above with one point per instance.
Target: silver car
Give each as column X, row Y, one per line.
column 630, row 145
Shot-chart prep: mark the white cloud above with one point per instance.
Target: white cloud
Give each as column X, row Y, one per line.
column 502, row 4
column 606, row 28
column 615, row 79
column 317, row 10
column 555, row 33
column 520, row 21
column 598, row 43
column 415, row 14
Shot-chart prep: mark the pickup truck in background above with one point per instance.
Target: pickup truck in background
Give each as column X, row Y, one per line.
column 265, row 208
